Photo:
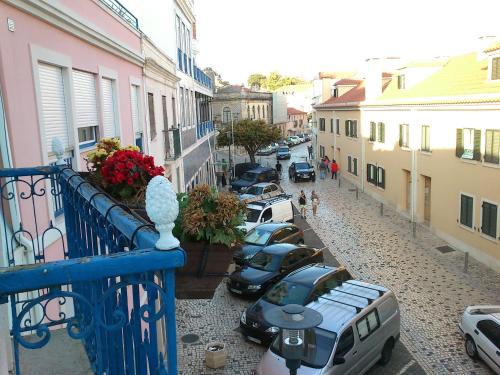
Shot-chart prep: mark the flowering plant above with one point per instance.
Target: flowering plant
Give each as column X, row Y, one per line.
column 104, row 148
column 126, row 173
column 208, row 216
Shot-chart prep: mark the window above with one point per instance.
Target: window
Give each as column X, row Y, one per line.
column 346, row 342
column 492, row 149
column 381, row 177
column 404, row 135
column 489, row 219
column 491, row 330
column 495, row 68
column 426, row 138
column 337, row 126
column 85, row 107
column 401, row 82
column 373, row 132
column 136, row 122
column 367, row 325
column 468, row 144
column 301, row 122
column 331, row 125
column 321, row 151
column 381, row 132
column 268, row 214
column 321, row 124
column 466, row 210
column 355, row 166
column 226, row 115
column 108, row 108
column 351, row 128
column 349, row 164
column 152, row 119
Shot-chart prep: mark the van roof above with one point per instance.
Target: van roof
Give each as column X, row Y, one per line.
column 269, row 201
column 343, row 303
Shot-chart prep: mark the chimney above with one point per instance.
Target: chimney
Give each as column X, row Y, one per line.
column 483, row 42
column 373, row 78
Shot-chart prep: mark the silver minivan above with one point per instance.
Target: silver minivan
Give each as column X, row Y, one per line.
column 360, row 327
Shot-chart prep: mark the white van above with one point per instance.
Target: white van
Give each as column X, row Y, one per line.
column 275, row 209
column 360, row 327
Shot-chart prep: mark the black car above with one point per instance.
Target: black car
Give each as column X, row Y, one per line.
column 254, row 176
column 300, row 287
column 241, row 168
column 301, row 171
column 264, row 235
column 269, row 266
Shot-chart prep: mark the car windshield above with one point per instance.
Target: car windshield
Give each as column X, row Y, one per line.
column 286, row 292
column 317, row 349
column 283, row 149
column 257, row 236
column 249, row 176
column 302, row 166
column 253, row 215
column 255, row 190
column 265, row 262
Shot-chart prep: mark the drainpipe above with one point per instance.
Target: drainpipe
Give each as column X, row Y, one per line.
column 362, row 168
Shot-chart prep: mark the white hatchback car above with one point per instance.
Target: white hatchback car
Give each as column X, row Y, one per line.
column 480, row 327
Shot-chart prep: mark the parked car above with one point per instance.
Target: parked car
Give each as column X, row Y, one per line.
column 294, row 140
column 480, row 326
column 264, row 235
column 241, row 168
column 283, row 153
column 254, row 176
column 268, row 150
column 302, row 138
column 269, row 266
column 261, row 188
column 300, row 287
column 301, row 171
column 307, row 137
column 275, row 209
column 361, row 324
column 275, row 146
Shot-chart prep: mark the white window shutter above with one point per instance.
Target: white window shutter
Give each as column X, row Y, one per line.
column 137, row 124
column 85, row 99
column 54, row 113
column 108, row 109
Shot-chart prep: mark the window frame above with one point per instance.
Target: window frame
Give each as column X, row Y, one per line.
column 425, row 139
column 404, row 130
column 486, row 235
column 337, row 126
column 481, row 329
column 401, row 82
column 331, row 126
column 370, row 330
column 495, row 70
column 351, row 345
column 321, row 124
column 490, row 159
column 373, row 132
column 381, row 132
column 465, row 226
column 89, row 143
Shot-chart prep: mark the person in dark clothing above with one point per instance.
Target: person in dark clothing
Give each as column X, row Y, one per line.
column 278, row 167
column 302, row 204
column 310, row 151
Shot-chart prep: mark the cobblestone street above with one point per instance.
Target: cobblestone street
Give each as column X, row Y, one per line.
column 431, row 286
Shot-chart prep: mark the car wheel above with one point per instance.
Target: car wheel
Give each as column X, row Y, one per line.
column 386, row 352
column 470, row 347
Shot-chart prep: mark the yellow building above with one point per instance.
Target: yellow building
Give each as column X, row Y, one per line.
column 429, row 146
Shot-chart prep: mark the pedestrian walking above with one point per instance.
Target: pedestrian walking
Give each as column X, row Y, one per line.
column 314, row 202
column 322, row 169
column 334, row 168
column 327, row 164
column 278, row 167
column 302, row 204
column 310, row 151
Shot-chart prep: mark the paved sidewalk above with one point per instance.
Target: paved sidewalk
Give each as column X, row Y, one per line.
column 431, row 286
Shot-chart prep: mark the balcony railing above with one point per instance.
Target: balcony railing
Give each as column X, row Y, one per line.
column 203, row 128
column 111, row 289
column 123, row 12
column 202, row 78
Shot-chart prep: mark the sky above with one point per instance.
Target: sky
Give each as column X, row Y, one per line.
column 303, row 37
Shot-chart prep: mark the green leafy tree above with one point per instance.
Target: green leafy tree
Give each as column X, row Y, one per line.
column 273, row 81
column 249, row 134
column 257, row 79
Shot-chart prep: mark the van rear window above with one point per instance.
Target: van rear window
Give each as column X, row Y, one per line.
column 253, row 215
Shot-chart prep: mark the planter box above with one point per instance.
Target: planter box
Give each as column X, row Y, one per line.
column 215, row 354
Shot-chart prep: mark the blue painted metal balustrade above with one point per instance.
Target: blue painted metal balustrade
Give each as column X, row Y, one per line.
column 112, row 289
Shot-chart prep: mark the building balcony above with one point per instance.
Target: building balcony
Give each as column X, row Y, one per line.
column 204, row 128
column 123, row 12
column 101, row 284
column 202, row 78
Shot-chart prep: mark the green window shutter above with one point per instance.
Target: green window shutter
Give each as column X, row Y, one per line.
column 488, row 149
column 459, row 150
column 355, row 128
column 381, row 172
column 466, row 210
column 477, row 144
column 368, row 171
column 383, row 133
column 489, row 219
column 349, row 164
column 496, row 147
column 400, row 135
column 347, row 128
column 331, row 125
column 355, row 166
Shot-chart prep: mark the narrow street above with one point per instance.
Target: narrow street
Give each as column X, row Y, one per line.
column 431, row 287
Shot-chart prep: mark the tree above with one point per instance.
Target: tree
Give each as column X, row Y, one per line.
column 273, row 81
column 249, row 134
column 257, row 79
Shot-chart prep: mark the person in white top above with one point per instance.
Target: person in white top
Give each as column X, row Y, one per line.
column 315, row 202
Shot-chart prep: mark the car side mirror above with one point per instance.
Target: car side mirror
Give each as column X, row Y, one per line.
column 338, row 361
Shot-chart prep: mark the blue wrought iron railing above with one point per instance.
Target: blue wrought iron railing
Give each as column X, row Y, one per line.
column 202, row 78
column 123, row 12
column 111, row 289
column 203, row 128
